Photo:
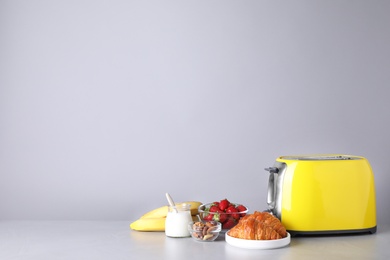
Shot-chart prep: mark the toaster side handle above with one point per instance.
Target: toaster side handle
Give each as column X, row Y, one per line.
column 271, row 187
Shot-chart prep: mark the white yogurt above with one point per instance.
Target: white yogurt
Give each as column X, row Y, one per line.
column 176, row 223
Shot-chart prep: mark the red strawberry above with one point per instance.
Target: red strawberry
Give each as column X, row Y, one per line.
column 213, row 208
column 241, row 208
column 232, row 210
column 230, row 222
column 208, row 217
column 223, row 204
column 222, row 217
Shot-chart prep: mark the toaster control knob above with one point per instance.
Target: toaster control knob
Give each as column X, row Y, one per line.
column 272, row 169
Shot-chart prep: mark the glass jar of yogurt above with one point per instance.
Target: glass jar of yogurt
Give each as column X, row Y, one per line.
column 177, row 221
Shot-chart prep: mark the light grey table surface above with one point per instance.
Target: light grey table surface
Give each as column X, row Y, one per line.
column 115, row 240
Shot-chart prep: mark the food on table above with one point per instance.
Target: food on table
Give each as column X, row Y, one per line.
column 259, row 226
column 223, row 211
column 205, row 231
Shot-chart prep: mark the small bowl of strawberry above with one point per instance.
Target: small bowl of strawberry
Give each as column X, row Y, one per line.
column 224, row 212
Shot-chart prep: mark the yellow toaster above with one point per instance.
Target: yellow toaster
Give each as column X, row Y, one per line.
column 323, row 194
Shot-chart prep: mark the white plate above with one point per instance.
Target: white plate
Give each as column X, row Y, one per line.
column 258, row 244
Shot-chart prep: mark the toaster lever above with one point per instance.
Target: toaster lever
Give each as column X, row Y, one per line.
column 272, row 169
column 271, row 187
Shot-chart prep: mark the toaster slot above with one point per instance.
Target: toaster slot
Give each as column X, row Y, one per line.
column 321, row 157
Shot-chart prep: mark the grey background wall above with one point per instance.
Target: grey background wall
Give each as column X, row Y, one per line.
column 107, row 105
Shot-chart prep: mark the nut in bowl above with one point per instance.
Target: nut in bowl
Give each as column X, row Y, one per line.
column 224, row 212
column 204, row 231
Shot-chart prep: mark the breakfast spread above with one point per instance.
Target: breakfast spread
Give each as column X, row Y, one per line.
column 259, row 226
column 204, row 223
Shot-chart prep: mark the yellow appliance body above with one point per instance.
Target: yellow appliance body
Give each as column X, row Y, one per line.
column 324, row 194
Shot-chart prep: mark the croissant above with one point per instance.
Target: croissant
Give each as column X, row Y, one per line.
column 259, row 226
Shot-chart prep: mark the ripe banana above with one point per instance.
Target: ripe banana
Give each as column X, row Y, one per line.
column 161, row 212
column 148, row 224
column 151, row 224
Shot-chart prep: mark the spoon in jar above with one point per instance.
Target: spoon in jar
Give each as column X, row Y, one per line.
column 170, row 201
